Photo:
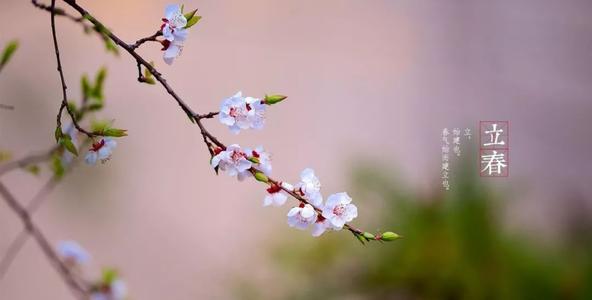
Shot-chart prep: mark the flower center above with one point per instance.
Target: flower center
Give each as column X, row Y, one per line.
column 97, row 146
column 339, row 210
column 236, row 155
column 274, row 188
column 320, row 219
column 233, row 112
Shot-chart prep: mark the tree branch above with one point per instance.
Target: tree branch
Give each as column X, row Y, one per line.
column 79, row 290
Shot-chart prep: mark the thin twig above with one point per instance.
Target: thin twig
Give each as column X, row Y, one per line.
column 62, row 80
column 27, row 160
column 13, row 249
column 141, row 41
column 77, row 288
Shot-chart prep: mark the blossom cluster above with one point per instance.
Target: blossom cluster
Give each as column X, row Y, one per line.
column 240, row 162
column 332, row 214
column 238, row 112
column 109, row 287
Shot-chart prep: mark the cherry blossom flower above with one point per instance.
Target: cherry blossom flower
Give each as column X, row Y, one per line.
column 339, row 210
column 100, row 150
column 310, row 187
column 275, row 196
column 238, row 112
column 233, row 161
column 116, row 290
column 173, row 23
column 263, row 158
column 174, row 32
column 72, row 253
column 301, row 216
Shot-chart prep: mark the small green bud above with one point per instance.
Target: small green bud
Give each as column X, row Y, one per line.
column 368, row 235
column 273, row 99
column 389, row 236
column 253, row 159
column 114, row 132
column 261, row 177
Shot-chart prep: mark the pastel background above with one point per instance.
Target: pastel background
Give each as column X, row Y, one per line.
column 368, row 81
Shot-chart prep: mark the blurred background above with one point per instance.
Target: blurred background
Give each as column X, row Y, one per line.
column 371, row 85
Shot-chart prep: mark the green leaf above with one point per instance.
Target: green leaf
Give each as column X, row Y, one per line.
column 192, row 21
column 360, row 238
column 368, row 236
column 57, row 167
column 58, row 134
column 95, row 105
column 190, row 15
column 9, row 50
column 111, row 47
column 114, row 132
column 86, row 87
column 99, row 126
column 99, row 83
column 253, row 159
column 66, row 141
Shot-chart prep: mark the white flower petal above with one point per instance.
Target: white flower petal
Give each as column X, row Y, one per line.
column 91, row 157
column 171, row 10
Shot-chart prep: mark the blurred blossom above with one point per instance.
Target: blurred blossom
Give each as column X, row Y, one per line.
column 72, row 252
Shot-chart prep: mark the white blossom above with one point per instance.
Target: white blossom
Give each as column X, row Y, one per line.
column 301, row 216
column 276, row 196
column 233, row 161
column 72, row 253
column 238, row 112
column 287, row 186
column 100, row 150
column 174, row 32
column 310, row 187
column 173, row 23
column 339, row 210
